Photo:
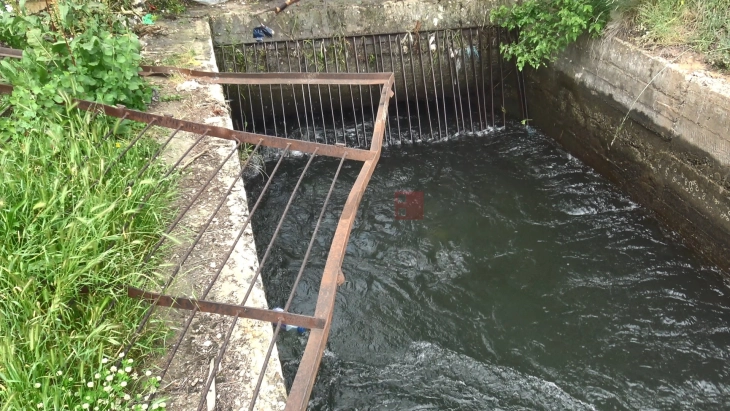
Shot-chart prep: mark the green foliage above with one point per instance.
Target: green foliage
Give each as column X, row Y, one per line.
column 72, row 237
column 702, row 25
column 546, row 27
column 79, row 50
column 72, row 233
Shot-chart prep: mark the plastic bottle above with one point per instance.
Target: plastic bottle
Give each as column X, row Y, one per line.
column 287, row 327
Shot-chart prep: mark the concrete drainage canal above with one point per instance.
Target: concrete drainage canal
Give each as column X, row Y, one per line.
column 490, row 271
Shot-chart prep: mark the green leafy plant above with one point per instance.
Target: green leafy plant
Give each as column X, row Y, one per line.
column 546, row 27
column 78, row 49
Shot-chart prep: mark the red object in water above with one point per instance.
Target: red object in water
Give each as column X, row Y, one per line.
column 409, row 205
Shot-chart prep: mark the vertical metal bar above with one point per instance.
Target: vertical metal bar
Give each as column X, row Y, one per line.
column 433, row 78
column 309, row 92
column 490, row 40
column 475, row 50
column 248, row 88
column 339, row 93
column 405, row 85
column 329, row 92
column 304, row 97
column 449, row 57
column 415, row 88
column 480, row 35
column 458, row 86
column 382, row 70
column 242, row 119
column 261, row 92
column 367, row 70
column 466, row 78
column 271, row 90
column 319, row 92
column 524, row 91
column 441, row 77
column 293, row 88
column 425, row 88
column 501, row 79
column 352, row 98
column 281, row 89
column 362, row 97
column 395, row 89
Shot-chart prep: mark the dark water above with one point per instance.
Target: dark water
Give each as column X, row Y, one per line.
column 531, row 284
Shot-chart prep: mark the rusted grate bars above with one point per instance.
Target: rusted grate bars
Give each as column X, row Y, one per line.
column 447, row 82
column 317, row 143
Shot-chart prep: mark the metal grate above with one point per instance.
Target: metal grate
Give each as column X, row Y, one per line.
column 447, row 82
column 318, row 322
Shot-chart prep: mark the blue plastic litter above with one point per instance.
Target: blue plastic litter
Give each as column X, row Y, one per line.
column 287, row 327
column 262, row 31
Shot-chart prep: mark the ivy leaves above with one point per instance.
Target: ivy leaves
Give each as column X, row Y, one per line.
column 546, row 27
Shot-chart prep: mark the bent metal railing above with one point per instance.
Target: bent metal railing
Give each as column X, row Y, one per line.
column 319, row 323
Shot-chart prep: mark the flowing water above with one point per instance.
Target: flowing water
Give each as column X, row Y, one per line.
column 530, row 284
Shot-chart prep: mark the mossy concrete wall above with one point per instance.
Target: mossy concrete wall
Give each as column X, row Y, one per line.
column 233, row 23
column 672, row 154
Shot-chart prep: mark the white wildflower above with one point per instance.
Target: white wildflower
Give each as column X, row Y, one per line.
column 148, row 373
column 121, row 355
column 97, row 375
column 90, row 384
column 113, row 369
column 37, row 385
column 85, row 406
column 104, row 360
column 123, row 383
column 128, row 369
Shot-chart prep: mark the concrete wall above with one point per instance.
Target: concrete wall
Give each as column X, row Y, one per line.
column 233, row 23
column 673, row 152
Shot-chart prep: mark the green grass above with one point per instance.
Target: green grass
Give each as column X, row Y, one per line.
column 69, row 242
column 700, row 25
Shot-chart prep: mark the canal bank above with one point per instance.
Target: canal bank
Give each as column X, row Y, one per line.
column 659, row 130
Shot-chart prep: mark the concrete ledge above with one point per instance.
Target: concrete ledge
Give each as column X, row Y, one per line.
column 673, row 153
column 188, row 42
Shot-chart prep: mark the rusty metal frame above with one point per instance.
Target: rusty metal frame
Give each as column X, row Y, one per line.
column 319, row 324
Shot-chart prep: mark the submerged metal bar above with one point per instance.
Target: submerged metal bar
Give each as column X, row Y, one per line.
column 293, row 88
column 501, row 82
column 362, row 109
column 319, row 92
column 449, row 56
column 238, row 90
column 367, row 70
column 435, row 89
column 474, row 50
column 395, row 87
column 405, row 88
column 261, row 92
column 329, row 92
column 425, row 88
column 415, row 87
column 466, row 77
column 339, row 93
column 382, row 69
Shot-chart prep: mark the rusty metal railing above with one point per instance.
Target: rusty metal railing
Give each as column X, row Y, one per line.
column 320, row 321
